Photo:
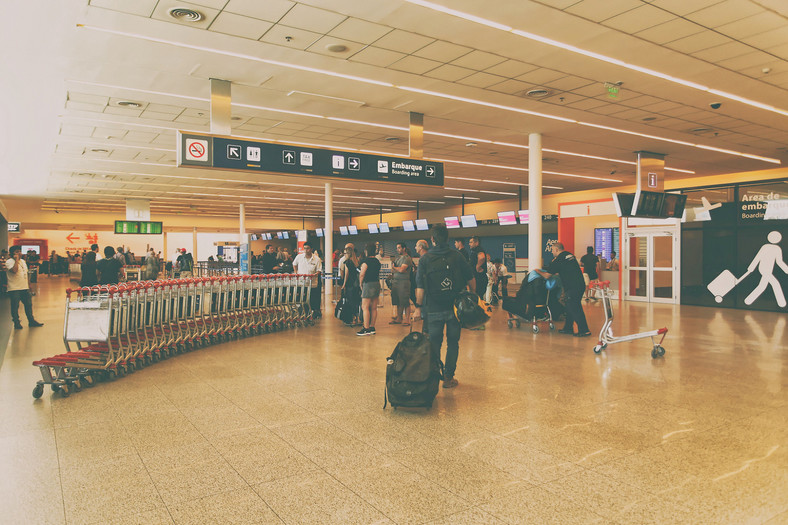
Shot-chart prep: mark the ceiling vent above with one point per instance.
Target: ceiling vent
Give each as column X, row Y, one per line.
column 129, row 104
column 701, row 131
column 537, row 93
column 183, row 14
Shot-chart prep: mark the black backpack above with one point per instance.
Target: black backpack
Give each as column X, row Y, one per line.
column 443, row 281
column 413, row 373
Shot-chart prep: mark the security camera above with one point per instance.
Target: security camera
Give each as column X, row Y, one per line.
column 715, row 105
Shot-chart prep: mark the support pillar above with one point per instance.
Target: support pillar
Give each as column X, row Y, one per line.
column 194, row 244
column 328, row 235
column 242, row 223
column 221, row 110
column 535, row 201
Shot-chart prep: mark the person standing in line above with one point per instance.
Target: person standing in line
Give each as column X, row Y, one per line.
column 186, row 264
column 89, row 270
column 351, row 288
column 442, row 274
column 566, row 266
column 269, row 261
column 369, row 278
column 151, row 265
column 400, row 284
column 591, row 270
column 308, row 263
column 460, row 246
column 19, row 289
column 479, row 261
column 110, row 267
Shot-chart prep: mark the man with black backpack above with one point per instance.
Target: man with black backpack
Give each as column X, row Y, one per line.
column 442, row 274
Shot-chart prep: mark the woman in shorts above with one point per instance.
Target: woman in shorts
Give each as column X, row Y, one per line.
column 369, row 279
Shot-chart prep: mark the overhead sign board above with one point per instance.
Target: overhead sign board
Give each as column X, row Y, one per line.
column 209, row 151
column 14, row 227
column 146, row 227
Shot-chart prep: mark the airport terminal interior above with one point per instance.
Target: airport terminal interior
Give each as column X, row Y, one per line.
column 207, row 389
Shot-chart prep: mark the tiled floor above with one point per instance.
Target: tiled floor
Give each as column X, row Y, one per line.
column 288, row 427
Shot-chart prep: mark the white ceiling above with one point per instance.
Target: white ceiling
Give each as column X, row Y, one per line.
column 74, row 143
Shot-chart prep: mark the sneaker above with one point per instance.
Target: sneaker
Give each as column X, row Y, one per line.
column 18, row 326
column 363, row 331
column 35, row 324
column 450, row 383
column 371, row 330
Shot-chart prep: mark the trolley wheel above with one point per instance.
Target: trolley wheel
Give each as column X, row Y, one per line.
column 38, row 391
column 658, row 351
column 76, row 385
column 552, row 326
column 110, row 375
column 509, row 323
column 598, row 349
column 536, row 329
column 120, row 371
column 517, row 323
column 89, row 381
column 55, row 388
column 64, row 391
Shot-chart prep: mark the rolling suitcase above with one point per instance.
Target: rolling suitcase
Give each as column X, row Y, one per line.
column 413, row 373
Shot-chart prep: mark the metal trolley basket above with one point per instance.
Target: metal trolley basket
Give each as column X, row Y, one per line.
column 606, row 336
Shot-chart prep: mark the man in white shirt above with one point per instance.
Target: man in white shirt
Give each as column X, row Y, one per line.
column 308, row 263
column 18, row 288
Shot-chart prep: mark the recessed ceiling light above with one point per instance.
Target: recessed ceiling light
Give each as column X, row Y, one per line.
column 236, row 118
column 537, row 93
column 184, row 14
column 393, row 139
column 129, row 104
column 701, row 130
column 99, row 150
column 470, row 144
column 649, row 119
column 336, row 48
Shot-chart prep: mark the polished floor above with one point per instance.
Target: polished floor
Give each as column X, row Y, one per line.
column 288, row 428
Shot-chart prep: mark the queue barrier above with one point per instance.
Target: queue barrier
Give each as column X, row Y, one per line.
column 111, row 331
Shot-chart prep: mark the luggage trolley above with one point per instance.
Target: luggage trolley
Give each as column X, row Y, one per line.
column 606, row 336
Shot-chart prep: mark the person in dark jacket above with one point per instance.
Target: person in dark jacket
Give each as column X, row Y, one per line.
column 109, row 267
column 438, row 306
column 89, row 270
column 565, row 264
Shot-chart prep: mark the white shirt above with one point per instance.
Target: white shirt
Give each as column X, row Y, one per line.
column 340, row 265
column 18, row 280
column 304, row 266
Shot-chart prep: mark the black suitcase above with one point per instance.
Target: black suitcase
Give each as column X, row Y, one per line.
column 413, row 373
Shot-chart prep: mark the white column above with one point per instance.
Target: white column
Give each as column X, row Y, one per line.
column 194, row 244
column 328, row 235
column 242, row 222
column 535, row 201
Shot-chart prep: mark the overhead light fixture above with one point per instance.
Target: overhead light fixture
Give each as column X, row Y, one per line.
column 289, row 65
column 184, row 14
column 129, row 104
column 336, row 48
column 567, row 47
column 537, row 93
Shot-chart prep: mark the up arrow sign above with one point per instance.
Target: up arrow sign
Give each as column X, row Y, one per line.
column 288, row 156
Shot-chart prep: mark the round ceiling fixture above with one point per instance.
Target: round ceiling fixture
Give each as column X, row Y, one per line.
column 393, row 139
column 236, row 118
column 184, row 14
column 537, row 93
column 129, row 104
column 336, row 48
column 701, row 130
column 649, row 119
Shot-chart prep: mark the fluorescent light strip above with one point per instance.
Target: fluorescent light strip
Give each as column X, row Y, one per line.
column 597, row 56
column 413, row 89
column 461, row 197
column 373, row 124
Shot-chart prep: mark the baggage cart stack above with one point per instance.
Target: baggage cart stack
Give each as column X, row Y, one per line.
column 111, row 331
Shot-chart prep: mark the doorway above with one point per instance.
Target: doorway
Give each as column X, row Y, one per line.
column 651, row 264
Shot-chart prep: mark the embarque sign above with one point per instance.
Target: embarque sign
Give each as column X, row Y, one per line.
column 228, row 153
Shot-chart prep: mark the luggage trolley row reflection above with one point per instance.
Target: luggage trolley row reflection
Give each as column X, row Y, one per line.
column 112, row 331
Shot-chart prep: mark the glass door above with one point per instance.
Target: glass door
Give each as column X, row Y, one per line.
column 651, row 265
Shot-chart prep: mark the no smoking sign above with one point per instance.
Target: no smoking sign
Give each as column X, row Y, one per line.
column 197, row 150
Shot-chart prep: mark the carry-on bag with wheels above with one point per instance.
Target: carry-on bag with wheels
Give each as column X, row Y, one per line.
column 413, row 373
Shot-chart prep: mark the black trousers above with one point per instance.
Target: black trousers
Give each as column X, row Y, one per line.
column 26, row 299
column 315, row 299
column 574, row 312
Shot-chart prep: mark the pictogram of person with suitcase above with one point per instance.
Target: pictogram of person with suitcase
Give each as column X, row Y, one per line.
column 767, row 257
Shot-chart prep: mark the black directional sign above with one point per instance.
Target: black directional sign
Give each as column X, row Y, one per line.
column 209, row 151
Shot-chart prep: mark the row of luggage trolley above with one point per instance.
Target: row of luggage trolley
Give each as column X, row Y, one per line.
column 111, row 331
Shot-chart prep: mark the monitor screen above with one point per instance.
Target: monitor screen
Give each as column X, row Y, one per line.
column 285, row 235
column 319, row 232
column 507, row 218
column 279, row 235
column 648, row 204
column 452, row 222
column 373, row 228
column 27, row 247
column 523, row 215
column 384, row 227
column 421, row 224
column 408, row 226
column 253, row 237
column 269, row 236
column 343, row 230
column 603, row 242
column 352, row 230
column 623, row 202
column 673, row 206
column 468, row 221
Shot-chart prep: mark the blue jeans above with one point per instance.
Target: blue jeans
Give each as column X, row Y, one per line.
column 434, row 322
